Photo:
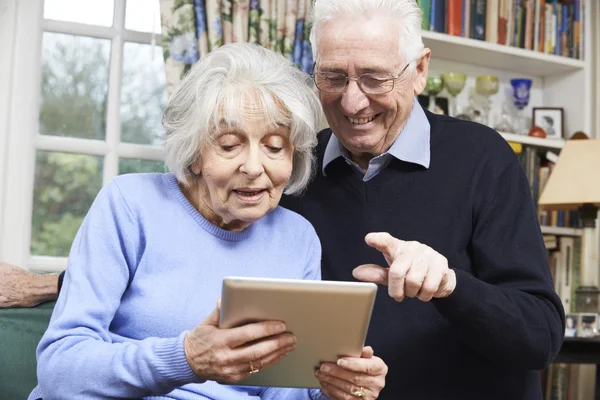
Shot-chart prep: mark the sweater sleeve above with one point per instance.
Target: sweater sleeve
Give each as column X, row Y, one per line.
column 507, row 310
column 77, row 356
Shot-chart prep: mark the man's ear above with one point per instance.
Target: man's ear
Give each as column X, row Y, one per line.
column 421, row 71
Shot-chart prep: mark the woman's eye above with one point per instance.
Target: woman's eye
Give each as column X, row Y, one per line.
column 228, row 147
column 274, row 149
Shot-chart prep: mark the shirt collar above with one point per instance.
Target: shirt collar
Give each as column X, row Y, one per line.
column 412, row 145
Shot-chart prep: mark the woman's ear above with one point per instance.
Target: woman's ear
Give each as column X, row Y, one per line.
column 196, row 167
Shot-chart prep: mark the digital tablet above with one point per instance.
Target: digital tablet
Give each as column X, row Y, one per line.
column 329, row 319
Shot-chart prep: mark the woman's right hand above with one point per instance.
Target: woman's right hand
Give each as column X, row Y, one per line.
column 224, row 355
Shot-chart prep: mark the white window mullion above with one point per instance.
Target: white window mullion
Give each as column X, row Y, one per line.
column 146, row 152
column 22, row 127
column 113, row 115
column 141, row 37
column 74, row 28
column 70, row 145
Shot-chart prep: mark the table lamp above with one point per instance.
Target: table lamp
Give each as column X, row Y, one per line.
column 574, row 184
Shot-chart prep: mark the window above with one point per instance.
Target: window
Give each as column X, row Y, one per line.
column 99, row 95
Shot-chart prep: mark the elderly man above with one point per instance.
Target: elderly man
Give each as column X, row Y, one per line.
column 444, row 208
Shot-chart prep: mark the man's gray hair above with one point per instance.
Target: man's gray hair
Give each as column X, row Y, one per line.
column 219, row 88
column 406, row 13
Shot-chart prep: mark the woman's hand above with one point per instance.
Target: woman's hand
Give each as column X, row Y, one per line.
column 353, row 377
column 224, row 355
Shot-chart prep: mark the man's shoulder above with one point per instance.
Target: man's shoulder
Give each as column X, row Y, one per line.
column 323, row 137
column 471, row 139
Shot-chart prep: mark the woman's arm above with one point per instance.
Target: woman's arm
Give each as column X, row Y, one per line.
column 76, row 354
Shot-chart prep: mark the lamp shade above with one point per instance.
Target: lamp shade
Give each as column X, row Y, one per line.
column 575, row 179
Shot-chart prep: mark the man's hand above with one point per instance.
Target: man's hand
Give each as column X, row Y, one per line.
column 21, row 288
column 415, row 270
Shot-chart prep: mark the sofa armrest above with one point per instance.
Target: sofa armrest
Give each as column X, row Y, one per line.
column 20, row 332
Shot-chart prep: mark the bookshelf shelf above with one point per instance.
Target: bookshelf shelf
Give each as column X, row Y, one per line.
column 560, row 231
column 492, row 55
column 533, row 141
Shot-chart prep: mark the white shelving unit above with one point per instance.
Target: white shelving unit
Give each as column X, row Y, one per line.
column 558, row 81
column 496, row 56
column 533, row 141
column 560, row 231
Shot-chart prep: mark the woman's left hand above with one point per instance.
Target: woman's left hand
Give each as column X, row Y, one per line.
column 353, row 377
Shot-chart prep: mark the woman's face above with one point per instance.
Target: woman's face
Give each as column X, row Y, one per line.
column 244, row 172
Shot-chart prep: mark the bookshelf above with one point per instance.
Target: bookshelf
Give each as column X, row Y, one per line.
column 497, row 56
column 560, row 231
column 558, row 81
column 533, row 141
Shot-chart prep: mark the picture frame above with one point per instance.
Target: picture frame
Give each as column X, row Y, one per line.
column 587, row 325
column 441, row 104
column 571, row 322
column 551, row 120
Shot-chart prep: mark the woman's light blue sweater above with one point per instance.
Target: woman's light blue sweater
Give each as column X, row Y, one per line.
column 145, row 268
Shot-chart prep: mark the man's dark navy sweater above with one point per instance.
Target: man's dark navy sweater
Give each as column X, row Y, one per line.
column 473, row 205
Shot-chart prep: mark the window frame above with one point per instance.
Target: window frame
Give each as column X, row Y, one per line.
column 22, row 139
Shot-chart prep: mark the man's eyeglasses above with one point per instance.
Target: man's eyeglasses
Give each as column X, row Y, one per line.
column 371, row 82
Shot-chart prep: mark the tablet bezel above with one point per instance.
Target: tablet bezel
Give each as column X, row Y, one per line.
column 329, row 318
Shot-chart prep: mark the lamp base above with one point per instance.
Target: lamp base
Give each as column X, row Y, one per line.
column 587, row 299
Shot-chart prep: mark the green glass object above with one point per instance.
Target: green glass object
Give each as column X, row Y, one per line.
column 435, row 85
column 454, row 82
column 487, row 85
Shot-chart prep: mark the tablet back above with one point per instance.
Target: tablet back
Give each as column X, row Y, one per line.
column 330, row 320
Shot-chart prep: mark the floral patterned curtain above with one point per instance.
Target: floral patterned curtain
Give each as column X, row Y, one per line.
column 192, row 28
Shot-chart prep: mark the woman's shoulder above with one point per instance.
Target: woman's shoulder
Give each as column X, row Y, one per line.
column 141, row 188
column 288, row 220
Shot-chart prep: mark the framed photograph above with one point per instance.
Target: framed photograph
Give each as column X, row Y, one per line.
column 550, row 119
column 587, row 325
column 441, row 104
column 571, row 325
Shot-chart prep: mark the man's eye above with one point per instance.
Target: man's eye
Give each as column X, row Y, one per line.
column 335, row 79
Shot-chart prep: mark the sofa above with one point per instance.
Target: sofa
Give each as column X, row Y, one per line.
column 20, row 332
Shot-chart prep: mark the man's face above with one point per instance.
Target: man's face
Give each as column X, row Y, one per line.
column 367, row 124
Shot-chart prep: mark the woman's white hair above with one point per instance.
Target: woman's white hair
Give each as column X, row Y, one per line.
column 406, row 13
column 218, row 90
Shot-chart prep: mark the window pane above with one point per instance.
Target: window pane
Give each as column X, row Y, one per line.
column 65, row 187
column 143, row 16
column 133, row 165
column 143, row 95
column 92, row 12
column 74, row 86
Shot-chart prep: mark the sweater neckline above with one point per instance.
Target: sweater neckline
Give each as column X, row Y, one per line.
column 199, row 218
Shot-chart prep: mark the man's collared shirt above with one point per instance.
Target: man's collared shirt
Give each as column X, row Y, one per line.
column 412, row 145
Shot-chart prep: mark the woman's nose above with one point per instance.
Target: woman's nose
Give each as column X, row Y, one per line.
column 252, row 165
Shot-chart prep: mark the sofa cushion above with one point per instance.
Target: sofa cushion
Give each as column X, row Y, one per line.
column 20, row 332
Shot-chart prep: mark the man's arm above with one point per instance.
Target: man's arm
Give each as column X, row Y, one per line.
column 21, row 288
column 507, row 310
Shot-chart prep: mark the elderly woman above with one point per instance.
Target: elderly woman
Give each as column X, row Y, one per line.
column 147, row 264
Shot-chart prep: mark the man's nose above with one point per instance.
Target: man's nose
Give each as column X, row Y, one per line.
column 354, row 99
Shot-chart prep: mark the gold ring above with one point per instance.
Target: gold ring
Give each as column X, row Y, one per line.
column 359, row 393
column 252, row 369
